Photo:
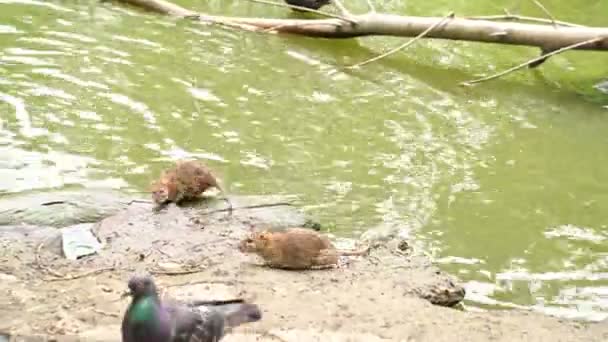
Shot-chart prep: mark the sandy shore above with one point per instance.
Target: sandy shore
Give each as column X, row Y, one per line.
column 386, row 296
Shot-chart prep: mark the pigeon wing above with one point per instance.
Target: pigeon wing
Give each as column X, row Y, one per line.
column 195, row 324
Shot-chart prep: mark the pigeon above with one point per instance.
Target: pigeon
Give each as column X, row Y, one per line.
column 312, row 4
column 148, row 319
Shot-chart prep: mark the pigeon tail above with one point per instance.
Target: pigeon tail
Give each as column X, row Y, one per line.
column 237, row 314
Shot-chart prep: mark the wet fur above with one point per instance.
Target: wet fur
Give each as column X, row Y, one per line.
column 294, row 249
column 186, row 181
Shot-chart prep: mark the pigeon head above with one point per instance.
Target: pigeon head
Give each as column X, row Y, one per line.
column 141, row 286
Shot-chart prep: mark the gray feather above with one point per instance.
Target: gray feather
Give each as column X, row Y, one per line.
column 208, row 323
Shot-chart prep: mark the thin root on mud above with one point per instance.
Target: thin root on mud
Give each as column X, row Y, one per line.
column 105, row 313
column 179, row 272
column 81, row 275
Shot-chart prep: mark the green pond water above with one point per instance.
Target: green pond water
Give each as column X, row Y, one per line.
column 504, row 183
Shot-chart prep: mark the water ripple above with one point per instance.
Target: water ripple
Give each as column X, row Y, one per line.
column 144, row 42
column 33, row 52
column 9, row 29
column 40, row 90
column 38, row 3
column 71, row 36
column 57, row 73
column 575, row 233
column 34, row 61
column 136, row 106
column 46, row 41
column 21, row 114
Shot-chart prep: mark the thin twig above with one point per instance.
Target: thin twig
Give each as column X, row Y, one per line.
column 180, row 272
column 60, row 277
column 543, row 51
column 305, row 9
column 83, row 274
column 403, row 46
column 139, row 201
column 40, row 265
column 223, row 282
column 532, row 61
column 523, row 18
column 544, row 9
column 255, row 206
column 371, row 6
column 162, row 252
column 341, row 8
column 105, row 313
column 273, row 336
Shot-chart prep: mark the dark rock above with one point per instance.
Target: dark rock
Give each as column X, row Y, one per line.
column 312, row 4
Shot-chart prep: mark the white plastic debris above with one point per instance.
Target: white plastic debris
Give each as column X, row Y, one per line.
column 79, row 241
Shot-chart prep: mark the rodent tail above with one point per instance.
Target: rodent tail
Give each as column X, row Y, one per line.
column 361, row 251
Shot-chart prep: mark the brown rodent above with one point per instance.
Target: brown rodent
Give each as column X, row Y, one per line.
column 187, row 180
column 294, row 248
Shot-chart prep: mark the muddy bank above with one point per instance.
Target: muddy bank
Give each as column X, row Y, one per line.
column 382, row 297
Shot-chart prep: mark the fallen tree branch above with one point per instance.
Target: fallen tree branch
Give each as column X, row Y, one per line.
column 551, row 40
column 532, row 61
column 542, row 36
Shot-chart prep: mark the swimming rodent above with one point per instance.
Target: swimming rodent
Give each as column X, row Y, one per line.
column 312, row 4
column 186, row 180
column 294, row 249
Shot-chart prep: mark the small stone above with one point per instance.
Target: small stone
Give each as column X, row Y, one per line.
column 403, row 246
column 7, row 277
column 170, row 266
